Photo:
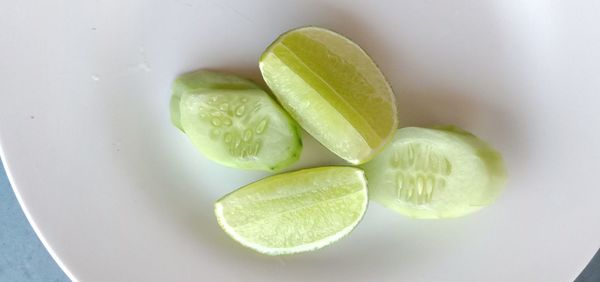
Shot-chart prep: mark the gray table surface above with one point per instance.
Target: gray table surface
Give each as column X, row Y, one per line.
column 24, row 258
column 22, row 255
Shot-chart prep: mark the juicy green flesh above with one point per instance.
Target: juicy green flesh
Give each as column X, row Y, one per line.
column 203, row 79
column 295, row 212
column 316, row 115
column 435, row 173
column 329, row 84
column 233, row 122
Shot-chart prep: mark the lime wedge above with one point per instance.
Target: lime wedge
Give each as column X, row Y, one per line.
column 436, row 173
column 295, row 211
column 333, row 89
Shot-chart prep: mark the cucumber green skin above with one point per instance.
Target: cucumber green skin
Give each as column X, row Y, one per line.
column 174, row 112
column 206, row 81
column 471, row 190
column 203, row 79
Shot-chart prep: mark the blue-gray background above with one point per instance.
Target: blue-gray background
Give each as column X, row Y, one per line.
column 24, row 258
column 22, row 255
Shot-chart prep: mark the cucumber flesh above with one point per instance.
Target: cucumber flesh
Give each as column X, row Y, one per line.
column 241, row 128
column 435, row 173
column 203, row 79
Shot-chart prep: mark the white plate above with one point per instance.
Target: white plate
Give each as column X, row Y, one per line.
column 117, row 194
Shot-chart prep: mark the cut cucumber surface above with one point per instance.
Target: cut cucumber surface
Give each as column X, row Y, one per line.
column 435, row 173
column 333, row 89
column 203, row 79
column 235, row 123
column 295, row 212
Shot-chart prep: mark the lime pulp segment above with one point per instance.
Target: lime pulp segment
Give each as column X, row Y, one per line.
column 296, row 211
column 333, row 89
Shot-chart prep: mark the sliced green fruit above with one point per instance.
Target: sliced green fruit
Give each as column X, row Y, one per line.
column 333, row 89
column 233, row 122
column 203, row 79
column 436, row 173
column 296, row 211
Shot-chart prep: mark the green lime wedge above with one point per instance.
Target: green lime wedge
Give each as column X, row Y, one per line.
column 436, row 173
column 232, row 121
column 295, row 211
column 333, row 89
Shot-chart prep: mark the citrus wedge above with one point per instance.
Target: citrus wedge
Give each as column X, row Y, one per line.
column 333, row 89
column 296, row 211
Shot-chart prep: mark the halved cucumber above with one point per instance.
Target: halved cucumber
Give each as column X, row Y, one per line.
column 233, row 122
column 203, row 79
column 435, row 173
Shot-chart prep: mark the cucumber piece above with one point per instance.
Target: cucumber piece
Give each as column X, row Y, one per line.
column 440, row 172
column 241, row 128
column 203, row 79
